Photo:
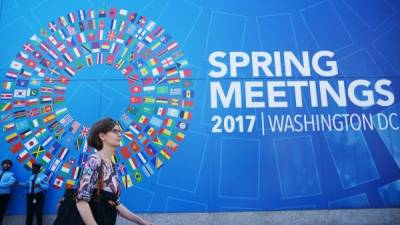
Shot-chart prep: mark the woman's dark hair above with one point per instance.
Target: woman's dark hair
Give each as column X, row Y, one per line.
column 102, row 126
column 7, row 161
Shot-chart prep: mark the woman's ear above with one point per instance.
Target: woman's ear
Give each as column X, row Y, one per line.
column 101, row 136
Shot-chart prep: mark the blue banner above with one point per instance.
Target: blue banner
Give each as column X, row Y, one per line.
column 224, row 105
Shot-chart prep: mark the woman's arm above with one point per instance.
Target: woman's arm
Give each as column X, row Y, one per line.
column 85, row 212
column 127, row 214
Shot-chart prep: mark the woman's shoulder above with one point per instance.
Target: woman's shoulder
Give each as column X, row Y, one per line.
column 93, row 160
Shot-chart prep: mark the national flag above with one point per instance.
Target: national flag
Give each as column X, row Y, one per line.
column 47, row 141
column 36, row 153
column 52, row 26
column 22, row 156
column 70, row 42
column 164, row 153
column 31, row 143
column 63, row 153
column 160, row 79
column 150, row 131
column 74, row 126
column 16, row 65
column 127, row 181
column 70, row 184
column 179, row 136
column 171, row 145
column 28, row 165
column 71, row 17
column 148, row 39
column 149, row 88
column 185, row 115
column 22, row 56
column 92, row 26
column 174, row 80
column 157, row 162
column 8, row 126
column 187, row 104
column 148, row 171
column 45, row 99
column 137, row 175
column 21, row 83
column 22, row 124
column 89, row 60
column 141, row 157
column 134, row 146
column 19, row 103
column 157, row 141
column 143, row 119
column 132, row 163
column 63, row 79
column 34, row 123
column 45, row 47
column 136, row 99
column 19, row 114
column 67, row 119
column 153, row 61
column 53, row 126
column 31, row 101
column 99, row 58
column 46, row 108
column 53, row 40
column 6, row 95
column 70, row 71
column 65, row 169
column 84, row 132
column 61, row 111
column 165, row 131
column 40, row 72
column 174, row 101
column 167, row 62
column 135, row 128
column 59, row 100
column 7, row 85
column 150, row 150
column 125, row 152
column 58, row 182
column 75, row 173
column 16, row 147
column 26, row 133
column 26, row 74
column 81, row 38
column 46, row 63
column 46, row 158
column 40, row 132
column 188, row 93
column 91, row 36
column 161, row 100
column 4, row 106
column 45, row 89
column 28, row 47
column 81, row 26
column 11, row 74
column 59, row 89
column 49, row 118
column 62, row 48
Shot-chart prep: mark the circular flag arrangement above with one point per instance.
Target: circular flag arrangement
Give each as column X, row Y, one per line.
column 36, row 121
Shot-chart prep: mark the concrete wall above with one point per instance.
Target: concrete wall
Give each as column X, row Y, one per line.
column 309, row 217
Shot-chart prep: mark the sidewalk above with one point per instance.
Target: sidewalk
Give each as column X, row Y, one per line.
column 305, row 217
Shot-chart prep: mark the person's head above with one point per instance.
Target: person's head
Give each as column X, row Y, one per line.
column 6, row 164
column 104, row 132
column 36, row 168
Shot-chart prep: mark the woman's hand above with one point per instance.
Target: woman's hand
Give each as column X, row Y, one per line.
column 146, row 223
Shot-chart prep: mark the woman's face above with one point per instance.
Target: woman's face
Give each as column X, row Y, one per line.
column 112, row 138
